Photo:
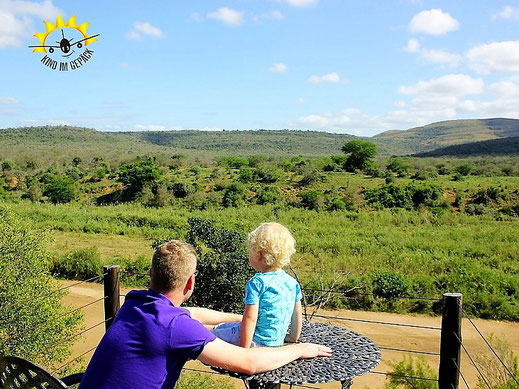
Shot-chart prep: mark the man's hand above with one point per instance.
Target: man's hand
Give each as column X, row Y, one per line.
column 311, row 350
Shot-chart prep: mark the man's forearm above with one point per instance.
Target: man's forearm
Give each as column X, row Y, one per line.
column 211, row 317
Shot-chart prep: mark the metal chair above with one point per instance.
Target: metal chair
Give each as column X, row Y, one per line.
column 18, row 373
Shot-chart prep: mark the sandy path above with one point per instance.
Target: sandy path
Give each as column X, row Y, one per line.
column 383, row 335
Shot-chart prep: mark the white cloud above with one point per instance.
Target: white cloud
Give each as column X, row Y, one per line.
column 144, row 28
column 449, row 85
column 227, row 16
column 17, row 20
column 272, row 15
column 8, row 100
column 433, row 22
column 440, row 56
column 300, row 100
column 278, row 68
column 299, row 3
column 508, row 12
column 495, row 57
column 505, row 88
column 333, row 78
column 413, row 45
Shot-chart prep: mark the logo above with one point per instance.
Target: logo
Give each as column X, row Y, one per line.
column 64, row 44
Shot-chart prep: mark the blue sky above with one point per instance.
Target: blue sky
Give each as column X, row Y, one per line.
column 349, row 66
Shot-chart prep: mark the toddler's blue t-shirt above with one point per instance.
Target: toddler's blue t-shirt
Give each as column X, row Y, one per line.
column 275, row 293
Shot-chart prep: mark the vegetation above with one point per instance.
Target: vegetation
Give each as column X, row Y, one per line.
column 34, row 324
column 493, row 371
column 409, row 367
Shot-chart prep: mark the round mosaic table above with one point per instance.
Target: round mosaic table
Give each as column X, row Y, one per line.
column 352, row 355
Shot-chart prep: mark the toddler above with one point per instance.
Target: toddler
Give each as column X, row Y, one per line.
column 272, row 297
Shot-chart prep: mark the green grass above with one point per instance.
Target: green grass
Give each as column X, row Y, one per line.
column 475, row 255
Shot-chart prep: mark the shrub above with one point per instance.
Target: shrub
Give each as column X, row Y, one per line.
column 408, row 367
column 246, row 174
column 80, row 264
column 312, row 199
column 223, row 266
column 232, row 162
column 389, row 196
column 494, row 372
column 233, row 195
column 267, row 195
column 389, row 284
column 398, row 166
column 464, row 169
column 60, row 189
column 181, row 190
column 135, row 176
column 267, row 175
column 361, row 154
column 33, row 322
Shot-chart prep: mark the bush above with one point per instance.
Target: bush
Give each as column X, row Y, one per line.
column 80, row 264
column 33, row 322
column 312, row 199
column 60, row 189
column 246, row 175
column 389, row 196
column 267, row 195
column 223, row 266
column 496, row 375
column 389, row 284
column 233, row 195
column 135, row 176
column 464, row 169
column 233, row 162
column 408, row 367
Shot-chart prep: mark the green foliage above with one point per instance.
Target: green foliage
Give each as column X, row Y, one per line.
column 493, row 371
column 33, row 323
column 464, row 169
column 246, row 174
column 190, row 380
column 223, row 266
column 408, row 367
column 232, row 162
column 233, row 195
column 267, row 195
column 407, row 197
column 361, row 154
column 312, row 199
column 398, row 166
column 79, row 264
column 135, row 176
column 60, row 189
column 389, row 284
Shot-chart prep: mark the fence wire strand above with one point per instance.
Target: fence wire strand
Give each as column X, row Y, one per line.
column 75, row 359
column 490, row 346
column 409, row 351
column 378, row 322
column 50, row 293
column 354, row 294
column 461, row 374
column 403, row 376
column 472, row 361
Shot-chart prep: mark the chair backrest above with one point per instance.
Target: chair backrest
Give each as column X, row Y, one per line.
column 18, row 373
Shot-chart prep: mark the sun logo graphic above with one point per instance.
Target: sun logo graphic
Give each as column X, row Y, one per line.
column 63, row 44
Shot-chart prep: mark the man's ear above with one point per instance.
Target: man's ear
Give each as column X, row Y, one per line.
column 189, row 284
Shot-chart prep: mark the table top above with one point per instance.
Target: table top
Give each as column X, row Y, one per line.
column 353, row 355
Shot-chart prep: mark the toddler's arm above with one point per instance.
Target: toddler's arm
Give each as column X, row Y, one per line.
column 248, row 325
column 296, row 324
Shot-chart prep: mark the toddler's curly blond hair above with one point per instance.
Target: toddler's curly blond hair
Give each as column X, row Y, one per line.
column 274, row 241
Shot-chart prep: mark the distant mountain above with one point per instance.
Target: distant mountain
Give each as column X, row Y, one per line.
column 446, row 133
column 494, row 147
column 67, row 141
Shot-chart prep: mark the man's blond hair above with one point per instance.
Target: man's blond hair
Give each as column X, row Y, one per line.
column 172, row 264
column 274, row 241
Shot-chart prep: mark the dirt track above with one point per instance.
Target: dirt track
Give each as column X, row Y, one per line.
column 383, row 335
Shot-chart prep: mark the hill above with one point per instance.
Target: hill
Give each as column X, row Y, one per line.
column 66, row 141
column 446, row 133
column 494, row 147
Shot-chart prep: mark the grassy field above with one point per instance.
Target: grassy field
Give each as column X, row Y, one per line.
column 428, row 254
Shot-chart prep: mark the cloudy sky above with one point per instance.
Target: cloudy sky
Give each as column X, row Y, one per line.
column 348, row 66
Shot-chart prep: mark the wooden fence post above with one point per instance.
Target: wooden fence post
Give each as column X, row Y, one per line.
column 111, row 293
column 450, row 343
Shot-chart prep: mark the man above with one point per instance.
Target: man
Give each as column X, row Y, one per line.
column 151, row 337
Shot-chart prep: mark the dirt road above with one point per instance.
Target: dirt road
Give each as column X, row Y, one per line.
column 395, row 337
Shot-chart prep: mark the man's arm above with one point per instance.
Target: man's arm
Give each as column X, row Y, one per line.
column 248, row 325
column 257, row 359
column 296, row 324
column 211, row 317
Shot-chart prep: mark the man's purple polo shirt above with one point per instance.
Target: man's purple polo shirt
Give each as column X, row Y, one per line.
column 146, row 346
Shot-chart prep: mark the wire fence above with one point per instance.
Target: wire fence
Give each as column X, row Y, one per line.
column 351, row 294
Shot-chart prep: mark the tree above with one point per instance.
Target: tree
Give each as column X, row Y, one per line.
column 135, row 176
column 361, row 154
column 33, row 322
column 60, row 189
